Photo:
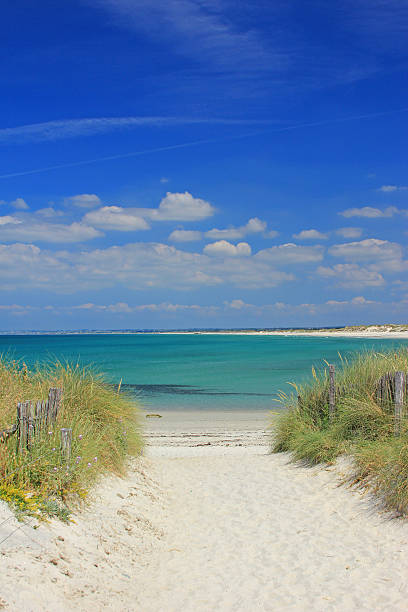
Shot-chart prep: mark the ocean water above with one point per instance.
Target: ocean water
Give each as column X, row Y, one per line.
column 195, row 372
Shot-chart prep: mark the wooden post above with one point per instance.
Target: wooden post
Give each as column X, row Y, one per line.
column 398, row 401
column 389, row 386
column 66, row 442
column 332, row 393
column 38, row 418
column 22, row 424
column 54, row 403
column 31, row 423
column 44, row 415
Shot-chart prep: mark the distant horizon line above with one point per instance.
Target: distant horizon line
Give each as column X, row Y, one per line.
column 84, row 331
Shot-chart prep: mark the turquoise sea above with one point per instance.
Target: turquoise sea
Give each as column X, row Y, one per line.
column 203, row 372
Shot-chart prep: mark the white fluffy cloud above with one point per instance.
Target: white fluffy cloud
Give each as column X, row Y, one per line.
column 83, row 200
column 119, row 307
column 352, row 275
column 185, row 236
column 170, row 307
column 311, row 234
column 115, row 218
column 20, row 204
column 370, row 250
column 147, row 265
column 349, row 232
column 49, row 212
column 232, row 233
column 123, row 308
column 178, row 207
column 356, row 305
column 356, row 301
column 16, row 309
column 135, row 266
column 253, row 226
column 291, row 254
column 249, row 272
column 373, row 213
column 237, row 304
column 276, row 307
column 24, row 265
column 9, row 220
column 15, row 229
column 222, row 248
column 173, row 207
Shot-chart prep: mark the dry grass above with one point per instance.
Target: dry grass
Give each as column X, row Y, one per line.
column 105, row 431
column 363, row 427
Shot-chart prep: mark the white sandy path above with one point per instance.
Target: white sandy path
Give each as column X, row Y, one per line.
column 213, row 529
column 247, row 531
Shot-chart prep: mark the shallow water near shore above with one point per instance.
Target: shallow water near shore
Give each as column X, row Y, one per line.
column 195, row 372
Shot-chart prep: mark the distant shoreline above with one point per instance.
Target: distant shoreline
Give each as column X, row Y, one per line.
column 356, row 331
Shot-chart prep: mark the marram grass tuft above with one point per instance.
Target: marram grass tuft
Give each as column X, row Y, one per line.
column 105, row 427
column 363, row 427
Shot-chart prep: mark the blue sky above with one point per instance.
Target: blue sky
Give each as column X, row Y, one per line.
column 203, row 163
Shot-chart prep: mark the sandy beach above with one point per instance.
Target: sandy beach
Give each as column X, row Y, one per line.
column 360, row 331
column 208, row 520
column 367, row 331
column 373, row 331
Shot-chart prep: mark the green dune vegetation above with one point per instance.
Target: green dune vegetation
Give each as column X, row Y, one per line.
column 361, row 427
column 39, row 480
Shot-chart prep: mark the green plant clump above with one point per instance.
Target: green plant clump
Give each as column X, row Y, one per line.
column 362, row 427
column 105, row 424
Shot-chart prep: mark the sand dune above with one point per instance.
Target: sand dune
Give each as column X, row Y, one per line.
column 212, row 527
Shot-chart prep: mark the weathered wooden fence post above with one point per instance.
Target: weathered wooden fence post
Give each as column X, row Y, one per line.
column 398, row 401
column 32, row 418
column 39, row 417
column 332, row 392
column 54, row 404
column 23, row 416
column 31, row 423
column 22, row 426
column 66, row 443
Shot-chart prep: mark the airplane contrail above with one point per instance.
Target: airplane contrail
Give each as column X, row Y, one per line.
column 72, row 128
column 84, row 162
column 200, row 142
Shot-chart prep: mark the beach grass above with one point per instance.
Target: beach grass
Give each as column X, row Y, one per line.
column 362, row 427
column 105, row 432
